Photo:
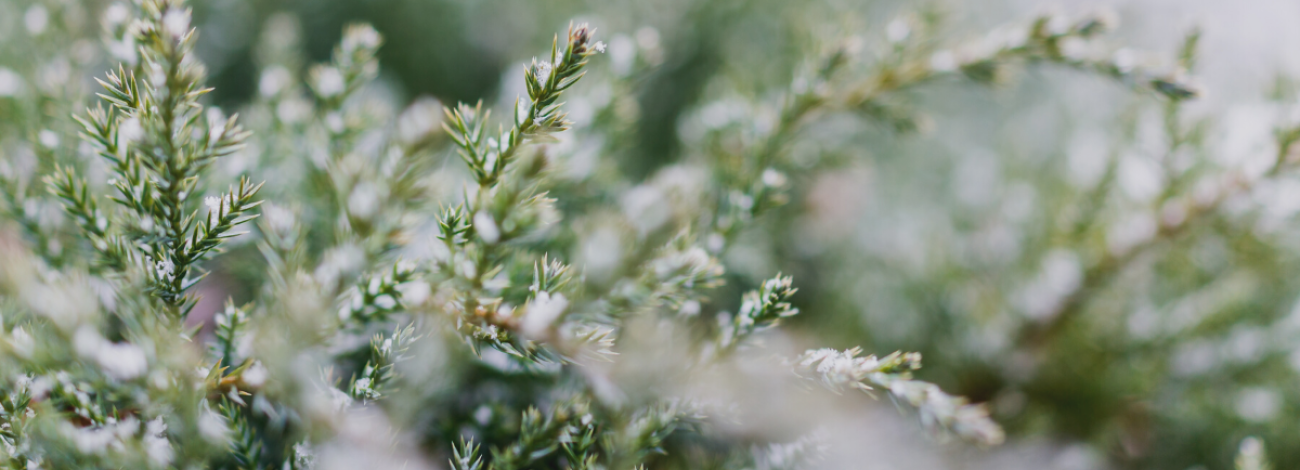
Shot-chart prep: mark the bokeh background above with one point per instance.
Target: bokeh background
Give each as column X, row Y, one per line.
column 945, row 236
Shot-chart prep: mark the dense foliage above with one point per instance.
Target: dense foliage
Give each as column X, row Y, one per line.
column 331, row 279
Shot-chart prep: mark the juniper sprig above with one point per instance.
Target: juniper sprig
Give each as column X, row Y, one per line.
column 159, row 141
column 430, row 284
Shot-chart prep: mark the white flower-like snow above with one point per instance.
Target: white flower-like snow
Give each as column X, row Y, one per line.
column 330, row 82
column 22, row 341
column 386, row 302
column 165, row 267
column 120, row 361
column 543, row 71
column 156, row 445
column 176, row 23
column 130, row 131
column 255, row 375
column 360, row 37
column 486, row 227
column 542, row 313
column 213, row 427
column 11, row 83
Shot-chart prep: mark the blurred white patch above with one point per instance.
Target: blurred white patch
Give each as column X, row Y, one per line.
column 751, row 259
column 721, row 113
column 898, row 30
column 622, row 54
column 1246, row 344
column 647, row 37
column 385, row 302
column 1019, row 202
column 1140, row 178
column 121, row 361
column 645, row 208
column 275, row 79
column 1194, row 358
column 601, row 252
column 176, row 23
column 837, row 200
column 486, row 227
column 773, row 178
column 1280, row 200
column 482, row 415
column 48, row 139
column 255, row 375
column 415, row 293
column 943, row 61
column 1129, row 231
column 542, row 313
column 690, row 308
column 1078, row 457
column 65, row 305
column 1258, row 404
column 1144, row 322
column 997, row 243
column 1058, row 277
column 11, row 84
column 213, row 427
column 242, row 160
column 156, row 445
column 279, row 219
column 1173, row 213
column 1087, row 157
column 581, row 109
column 116, row 14
column 684, row 183
column 124, row 50
column 1294, row 359
column 420, row 119
column 976, row 178
column 497, row 359
column 340, row 260
column 715, row 242
column 360, row 37
column 1075, row 48
column 512, row 85
column 36, row 19
column 366, row 440
column 907, row 240
column 293, row 110
column 329, row 82
column 364, row 201
column 1247, row 140
column 22, row 342
column 581, row 156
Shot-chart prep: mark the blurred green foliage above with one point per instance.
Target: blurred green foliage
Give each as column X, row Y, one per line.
column 927, row 218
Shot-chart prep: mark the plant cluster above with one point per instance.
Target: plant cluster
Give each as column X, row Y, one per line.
column 325, row 281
